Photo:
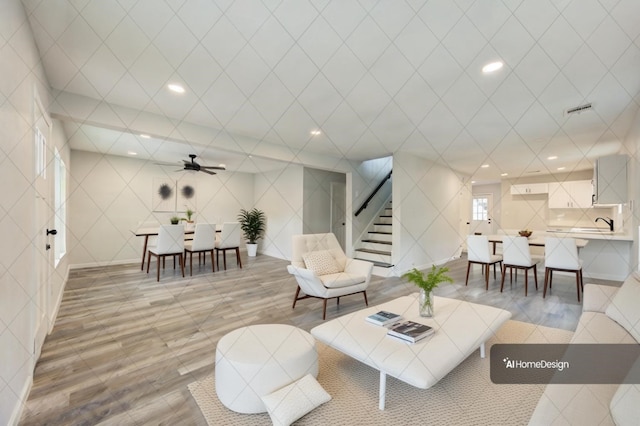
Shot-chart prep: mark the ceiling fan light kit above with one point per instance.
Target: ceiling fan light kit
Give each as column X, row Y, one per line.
column 193, row 166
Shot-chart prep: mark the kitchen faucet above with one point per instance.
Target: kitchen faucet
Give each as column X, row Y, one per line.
column 608, row 222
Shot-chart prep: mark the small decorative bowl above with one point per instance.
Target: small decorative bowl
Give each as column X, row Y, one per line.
column 525, row 233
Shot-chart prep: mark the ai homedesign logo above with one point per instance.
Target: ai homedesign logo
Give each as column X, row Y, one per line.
column 536, row 365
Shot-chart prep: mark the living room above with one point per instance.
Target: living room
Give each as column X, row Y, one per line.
column 432, row 122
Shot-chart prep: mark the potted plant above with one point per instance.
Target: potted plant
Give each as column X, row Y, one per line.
column 252, row 223
column 174, row 220
column 427, row 284
column 189, row 213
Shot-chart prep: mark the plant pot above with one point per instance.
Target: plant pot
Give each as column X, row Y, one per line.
column 252, row 249
column 425, row 304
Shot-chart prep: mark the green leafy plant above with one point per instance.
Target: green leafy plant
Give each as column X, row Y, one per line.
column 174, row 220
column 431, row 280
column 252, row 223
column 189, row 214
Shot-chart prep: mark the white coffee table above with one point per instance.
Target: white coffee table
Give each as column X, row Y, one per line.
column 461, row 327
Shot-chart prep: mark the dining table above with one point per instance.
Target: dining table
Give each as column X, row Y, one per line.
column 533, row 241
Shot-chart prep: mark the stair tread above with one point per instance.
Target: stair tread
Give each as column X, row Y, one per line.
column 380, row 232
column 377, row 241
column 385, row 215
column 387, row 224
column 378, row 264
column 364, row 250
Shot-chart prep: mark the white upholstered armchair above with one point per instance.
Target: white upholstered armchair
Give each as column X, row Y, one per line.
column 323, row 270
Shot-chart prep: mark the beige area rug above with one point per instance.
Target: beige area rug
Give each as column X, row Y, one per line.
column 466, row 396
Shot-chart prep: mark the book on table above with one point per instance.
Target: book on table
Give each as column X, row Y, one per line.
column 384, row 318
column 411, row 331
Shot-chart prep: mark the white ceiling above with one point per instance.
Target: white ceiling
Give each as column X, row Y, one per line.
column 375, row 76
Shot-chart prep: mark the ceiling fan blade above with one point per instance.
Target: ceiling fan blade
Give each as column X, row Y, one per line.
column 213, row 167
column 166, row 164
column 207, row 171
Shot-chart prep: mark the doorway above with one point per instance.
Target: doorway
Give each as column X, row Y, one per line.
column 44, row 218
column 338, row 211
column 481, row 214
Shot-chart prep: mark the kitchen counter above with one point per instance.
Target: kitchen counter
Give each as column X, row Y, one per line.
column 607, row 255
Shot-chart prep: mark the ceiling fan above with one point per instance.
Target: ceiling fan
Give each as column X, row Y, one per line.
column 195, row 167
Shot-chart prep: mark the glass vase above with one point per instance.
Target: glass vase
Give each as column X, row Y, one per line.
column 425, row 303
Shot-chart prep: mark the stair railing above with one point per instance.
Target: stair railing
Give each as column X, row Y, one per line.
column 375, row 191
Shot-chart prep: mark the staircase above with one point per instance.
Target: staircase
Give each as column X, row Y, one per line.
column 376, row 247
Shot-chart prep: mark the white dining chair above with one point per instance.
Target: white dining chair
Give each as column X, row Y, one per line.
column 229, row 239
column 478, row 252
column 204, row 241
column 561, row 254
column 517, row 255
column 170, row 243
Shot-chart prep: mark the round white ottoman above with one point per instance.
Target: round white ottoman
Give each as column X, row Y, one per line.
column 256, row 360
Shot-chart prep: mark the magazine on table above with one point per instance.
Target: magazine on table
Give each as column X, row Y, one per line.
column 384, row 318
column 410, row 331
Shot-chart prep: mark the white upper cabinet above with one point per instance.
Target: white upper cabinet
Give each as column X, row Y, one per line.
column 529, row 188
column 610, row 180
column 570, row 195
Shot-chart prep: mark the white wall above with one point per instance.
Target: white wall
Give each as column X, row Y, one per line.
column 111, row 195
column 316, row 216
column 426, row 213
column 279, row 194
column 21, row 76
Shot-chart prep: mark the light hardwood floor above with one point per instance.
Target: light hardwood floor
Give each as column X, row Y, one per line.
column 124, row 347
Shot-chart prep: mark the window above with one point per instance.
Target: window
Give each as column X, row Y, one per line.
column 60, row 200
column 480, row 208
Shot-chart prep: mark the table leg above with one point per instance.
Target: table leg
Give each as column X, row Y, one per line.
column 383, row 389
column 144, row 251
column 482, row 351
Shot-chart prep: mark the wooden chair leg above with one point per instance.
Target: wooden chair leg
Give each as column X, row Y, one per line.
column 158, row 274
column 181, row 259
column 546, row 278
column 526, row 280
column 224, row 258
column 535, row 275
column 239, row 259
column 213, row 265
column 494, row 271
column 366, row 302
column 148, row 261
column 486, row 276
column 504, row 272
column 191, row 263
column 578, row 284
column 466, row 281
column 295, row 298
column 324, row 310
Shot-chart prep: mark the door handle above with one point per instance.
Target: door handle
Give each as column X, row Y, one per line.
column 51, row 231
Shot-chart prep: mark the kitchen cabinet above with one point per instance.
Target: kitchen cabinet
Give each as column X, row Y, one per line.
column 610, row 180
column 570, row 195
column 529, row 188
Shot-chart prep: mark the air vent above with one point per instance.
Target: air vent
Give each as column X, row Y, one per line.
column 578, row 109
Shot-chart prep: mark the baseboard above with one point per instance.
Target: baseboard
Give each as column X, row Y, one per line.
column 22, row 400
column 104, row 263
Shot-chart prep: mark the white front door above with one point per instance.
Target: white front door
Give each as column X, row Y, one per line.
column 44, row 220
column 481, row 214
column 338, row 211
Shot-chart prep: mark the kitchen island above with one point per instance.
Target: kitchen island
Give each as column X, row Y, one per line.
column 607, row 255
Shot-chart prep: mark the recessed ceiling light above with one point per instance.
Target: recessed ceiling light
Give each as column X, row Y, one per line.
column 484, row 166
column 553, row 157
column 561, row 168
column 145, row 136
column 132, row 153
column 175, row 88
column 316, row 132
column 504, row 174
column 491, row 67
column 473, row 181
